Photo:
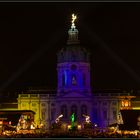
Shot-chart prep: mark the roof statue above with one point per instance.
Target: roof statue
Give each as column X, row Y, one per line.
column 73, row 32
column 73, row 52
column 73, row 19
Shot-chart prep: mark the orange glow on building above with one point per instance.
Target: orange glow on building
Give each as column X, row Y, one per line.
column 126, row 102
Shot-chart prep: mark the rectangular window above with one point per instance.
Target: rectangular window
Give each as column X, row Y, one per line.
column 43, row 114
column 105, row 115
column 95, row 114
column 114, row 115
column 53, row 114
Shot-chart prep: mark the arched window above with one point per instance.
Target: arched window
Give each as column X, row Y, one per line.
column 105, row 114
column 114, row 114
column 63, row 80
column 74, row 110
column 95, row 114
column 84, row 79
column 43, row 114
column 83, row 110
column 53, row 110
column 64, row 111
column 73, row 79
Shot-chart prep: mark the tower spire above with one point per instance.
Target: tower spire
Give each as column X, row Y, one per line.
column 73, row 32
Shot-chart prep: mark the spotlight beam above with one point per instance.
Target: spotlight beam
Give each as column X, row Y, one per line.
column 118, row 59
column 54, row 38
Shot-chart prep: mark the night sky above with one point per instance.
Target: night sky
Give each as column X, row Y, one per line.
column 32, row 33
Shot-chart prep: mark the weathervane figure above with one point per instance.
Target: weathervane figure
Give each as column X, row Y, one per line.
column 73, row 32
column 73, row 19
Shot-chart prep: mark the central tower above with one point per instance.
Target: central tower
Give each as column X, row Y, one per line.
column 73, row 67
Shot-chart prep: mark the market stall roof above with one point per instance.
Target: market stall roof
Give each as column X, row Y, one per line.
column 14, row 115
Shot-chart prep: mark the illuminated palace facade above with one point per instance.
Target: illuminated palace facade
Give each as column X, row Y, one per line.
column 74, row 93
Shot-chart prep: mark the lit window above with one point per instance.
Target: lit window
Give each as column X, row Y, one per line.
column 126, row 103
column 123, row 103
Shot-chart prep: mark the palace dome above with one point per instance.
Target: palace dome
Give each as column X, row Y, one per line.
column 73, row 52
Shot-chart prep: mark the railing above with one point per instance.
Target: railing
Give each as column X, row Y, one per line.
column 33, row 95
column 24, row 95
column 44, row 95
column 111, row 94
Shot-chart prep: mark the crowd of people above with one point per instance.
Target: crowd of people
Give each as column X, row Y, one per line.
column 90, row 133
column 58, row 133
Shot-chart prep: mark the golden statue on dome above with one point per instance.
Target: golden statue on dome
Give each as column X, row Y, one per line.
column 73, row 19
column 73, row 32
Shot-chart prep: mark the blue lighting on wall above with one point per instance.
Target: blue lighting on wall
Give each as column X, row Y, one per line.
column 66, row 78
column 80, row 79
